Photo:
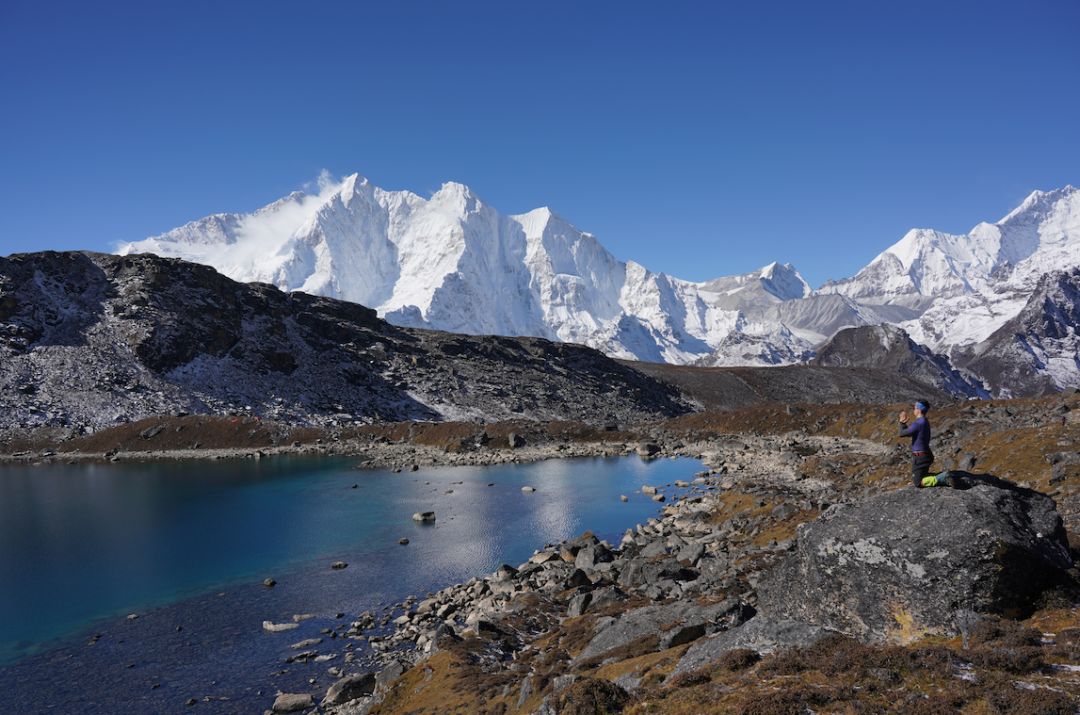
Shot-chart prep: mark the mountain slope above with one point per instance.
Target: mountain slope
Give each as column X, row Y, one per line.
column 1037, row 351
column 89, row 340
column 886, row 347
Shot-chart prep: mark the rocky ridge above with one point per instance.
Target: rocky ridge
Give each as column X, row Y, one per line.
column 92, row 340
column 886, row 347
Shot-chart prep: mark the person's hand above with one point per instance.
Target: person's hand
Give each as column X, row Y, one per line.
column 903, row 415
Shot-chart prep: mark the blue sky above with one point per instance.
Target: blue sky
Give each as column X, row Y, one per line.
column 699, row 139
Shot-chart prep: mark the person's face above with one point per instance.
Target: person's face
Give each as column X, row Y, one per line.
column 917, row 410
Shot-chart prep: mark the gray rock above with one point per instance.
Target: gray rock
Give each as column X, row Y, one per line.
column 424, row 517
column 654, row 549
column 919, row 555
column 504, row 573
column 642, row 622
column 393, row 670
column 578, row 579
column 759, row 633
column 681, row 635
column 590, row 556
column 648, row 449
column 514, row 440
column 578, row 604
column 292, row 702
column 349, row 688
column 784, row 511
column 150, row 432
column 691, row 553
column 306, row 643
column 278, row 627
column 605, row 596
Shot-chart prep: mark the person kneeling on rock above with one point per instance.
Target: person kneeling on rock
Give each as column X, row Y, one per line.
column 921, row 456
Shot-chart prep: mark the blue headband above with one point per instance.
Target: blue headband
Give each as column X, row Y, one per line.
column 922, row 406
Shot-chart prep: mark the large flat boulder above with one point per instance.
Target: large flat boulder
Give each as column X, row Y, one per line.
column 761, row 633
column 905, row 563
column 667, row 625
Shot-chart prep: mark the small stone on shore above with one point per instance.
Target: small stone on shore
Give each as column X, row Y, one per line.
column 403, row 542
column 278, row 627
column 528, row 490
column 269, row 582
column 338, row 565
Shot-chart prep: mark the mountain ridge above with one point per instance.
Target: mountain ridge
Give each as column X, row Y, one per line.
column 453, row 262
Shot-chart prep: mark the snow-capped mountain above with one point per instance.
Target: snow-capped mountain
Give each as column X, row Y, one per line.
column 952, row 290
column 1038, row 350
column 454, row 263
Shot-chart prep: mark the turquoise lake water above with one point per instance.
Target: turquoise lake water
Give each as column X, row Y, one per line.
column 83, row 545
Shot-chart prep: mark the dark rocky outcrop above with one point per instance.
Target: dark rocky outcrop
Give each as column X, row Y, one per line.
column 907, row 562
column 886, row 347
column 729, row 388
column 89, row 340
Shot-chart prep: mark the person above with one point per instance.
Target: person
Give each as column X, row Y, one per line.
column 921, row 455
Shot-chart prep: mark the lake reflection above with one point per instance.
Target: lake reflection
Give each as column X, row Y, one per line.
column 80, row 543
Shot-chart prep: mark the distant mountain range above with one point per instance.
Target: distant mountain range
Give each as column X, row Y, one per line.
column 454, row 263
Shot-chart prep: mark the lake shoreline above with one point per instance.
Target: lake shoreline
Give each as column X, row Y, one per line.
column 156, row 635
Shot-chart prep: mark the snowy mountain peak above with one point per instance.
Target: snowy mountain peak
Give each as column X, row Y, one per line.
column 452, row 262
column 1040, row 202
column 784, row 282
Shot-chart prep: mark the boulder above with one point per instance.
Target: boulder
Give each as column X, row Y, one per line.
column 590, row 556
column 760, row 633
column 578, row 604
column 902, row 563
column 278, row 627
column 292, row 702
column 648, row 449
column 424, row 517
column 514, row 440
column 349, row 688
column 684, row 621
column 393, row 670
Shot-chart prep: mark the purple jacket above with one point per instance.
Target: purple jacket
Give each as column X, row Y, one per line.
column 919, row 431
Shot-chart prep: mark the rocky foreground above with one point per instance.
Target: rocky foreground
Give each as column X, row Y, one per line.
column 798, row 573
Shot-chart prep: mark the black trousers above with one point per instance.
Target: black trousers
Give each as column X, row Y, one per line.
column 920, row 467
